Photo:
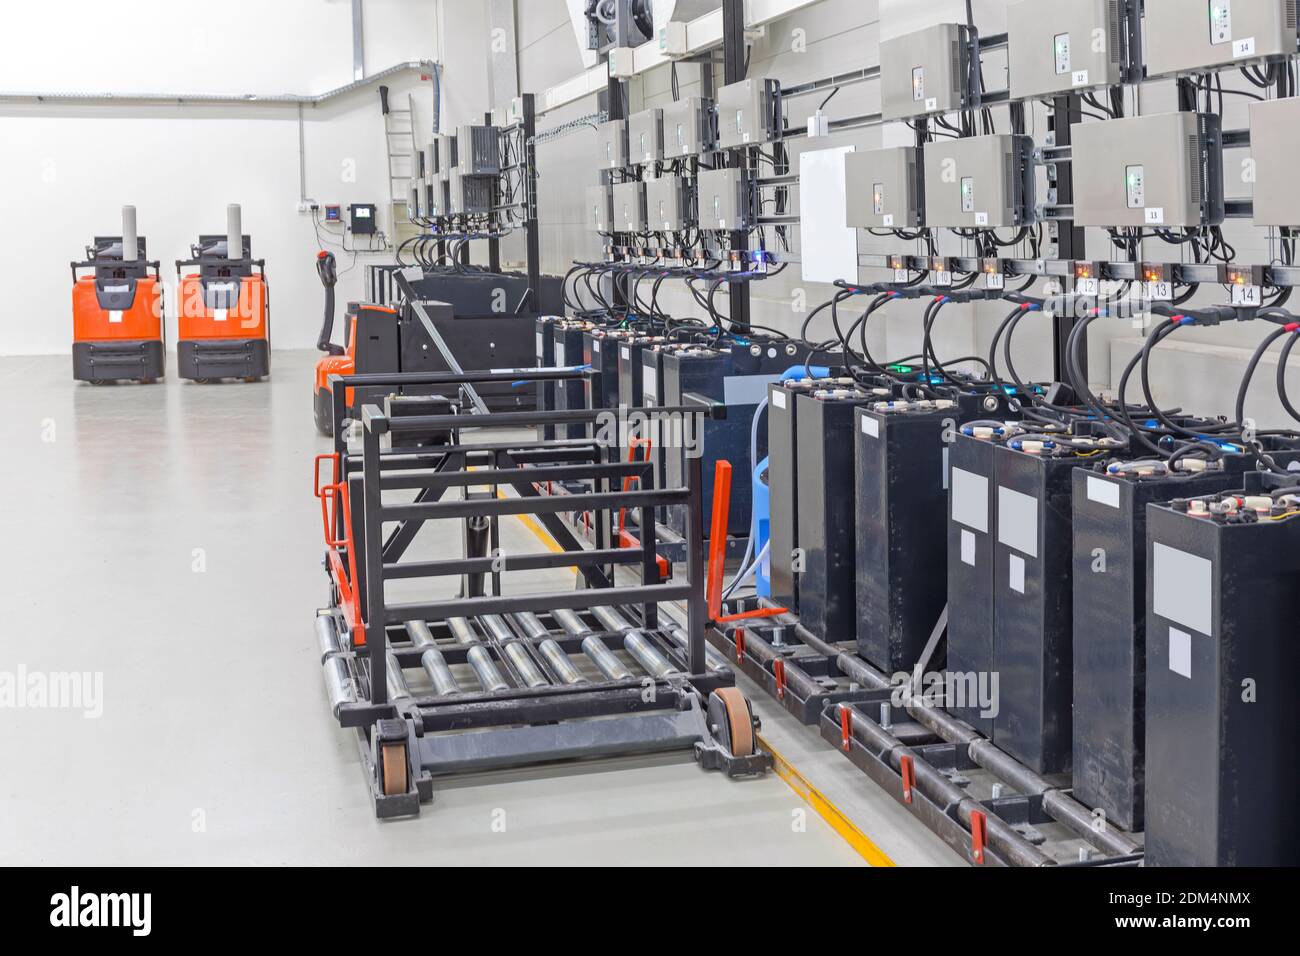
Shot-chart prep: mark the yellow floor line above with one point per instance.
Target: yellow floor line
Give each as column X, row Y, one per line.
column 797, row 782
column 832, row 814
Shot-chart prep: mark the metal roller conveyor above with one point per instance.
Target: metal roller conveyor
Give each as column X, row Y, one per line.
column 560, row 662
column 714, row 661
column 636, row 643
column 327, row 636
column 338, row 684
column 605, row 660
column 515, row 651
column 485, row 668
column 435, row 665
column 397, row 687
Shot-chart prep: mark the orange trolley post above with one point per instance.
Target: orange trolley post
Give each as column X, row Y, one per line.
column 224, row 312
column 117, row 313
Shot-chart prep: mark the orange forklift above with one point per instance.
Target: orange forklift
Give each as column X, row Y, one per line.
column 224, row 308
column 117, row 313
column 377, row 326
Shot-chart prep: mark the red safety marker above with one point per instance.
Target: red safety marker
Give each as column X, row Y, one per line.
column 907, row 768
column 846, row 727
column 978, row 834
column 778, row 669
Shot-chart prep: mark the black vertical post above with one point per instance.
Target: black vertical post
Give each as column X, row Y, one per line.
column 734, row 69
column 532, row 237
column 376, row 613
column 696, row 608
column 1066, row 111
column 494, row 245
column 615, row 90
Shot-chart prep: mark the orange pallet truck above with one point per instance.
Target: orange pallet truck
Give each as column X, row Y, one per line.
column 117, row 313
column 224, row 309
column 375, row 326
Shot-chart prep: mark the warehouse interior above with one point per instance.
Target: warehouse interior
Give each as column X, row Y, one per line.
column 652, row 433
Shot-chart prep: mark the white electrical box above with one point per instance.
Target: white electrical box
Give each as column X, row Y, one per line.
column 979, row 182
column 629, row 207
column 611, row 145
column 622, row 63
column 883, row 188
column 749, row 113
column 600, row 209
column 645, row 134
column 725, row 200
column 1056, row 46
column 1153, row 171
column 1274, row 146
column 688, row 128
column 672, row 40
column 668, row 207
column 926, row 72
column 1187, row 36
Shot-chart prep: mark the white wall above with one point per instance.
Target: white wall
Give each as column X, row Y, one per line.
column 67, row 169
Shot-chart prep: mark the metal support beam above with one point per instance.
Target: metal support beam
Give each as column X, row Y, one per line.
column 733, row 69
column 1066, row 111
column 358, row 42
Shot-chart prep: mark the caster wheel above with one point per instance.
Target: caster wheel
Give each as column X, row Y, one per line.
column 251, row 380
column 148, row 381
column 97, row 382
column 729, row 711
column 392, row 769
column 203, row 381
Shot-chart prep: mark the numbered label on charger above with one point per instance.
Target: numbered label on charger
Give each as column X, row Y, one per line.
column 1087, row 286
column 1079, row 78
column 1160, row 291
column 943, row 278
column 1245, row 47
column 994, row 280
column 1247, row 295
column 1155, row 216
column 900, row 275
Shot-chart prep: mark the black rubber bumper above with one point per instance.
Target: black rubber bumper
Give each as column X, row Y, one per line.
column 140, row 361
column 211, row 359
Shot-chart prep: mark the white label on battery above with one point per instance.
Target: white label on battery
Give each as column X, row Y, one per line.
column 746, row 389
column 887, row 219
column 1180, row 652
column 540, row 353
column 1079, row 78
column 1244, row 47
column 943, row 479
column 870, row 426
column 1016, row 570
column 648, row 387
column 595, row 347
column 1155, row 215
column 778, row 399
column 115, row 316
column 967, row 548
column 1103, row 492
column 1182, row 588
column 626, row 354
column 559, row 355
column 970, row 500
column 1018, row 521
column 981, row 219
column 219, row 315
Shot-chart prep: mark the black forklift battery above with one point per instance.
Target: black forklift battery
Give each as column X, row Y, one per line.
column 1034, row 595
column 783, row 481
column 902, row 477
column 736, row 374
column 827, row 539
column 1110, row 573
column 600, row 352
column 546, row 398
column 971, row 481
column 1223, row 599
column 652, row 397
column 567, row 335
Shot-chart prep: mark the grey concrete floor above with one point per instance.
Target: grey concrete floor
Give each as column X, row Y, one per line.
column 164, row 540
